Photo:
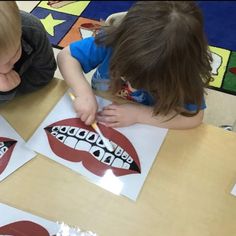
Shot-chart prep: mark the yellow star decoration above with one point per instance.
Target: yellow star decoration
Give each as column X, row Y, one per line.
column 49, row 23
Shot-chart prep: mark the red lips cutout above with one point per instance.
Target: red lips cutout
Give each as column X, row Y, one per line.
column 89, row 161
column 6, row 152
column 23, row 228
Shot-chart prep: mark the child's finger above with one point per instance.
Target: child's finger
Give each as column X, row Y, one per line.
column 112, row 106
column 89, row 120
column 107, row 112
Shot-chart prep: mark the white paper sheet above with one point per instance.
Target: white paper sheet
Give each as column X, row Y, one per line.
column 122, row 172
column 13, row 153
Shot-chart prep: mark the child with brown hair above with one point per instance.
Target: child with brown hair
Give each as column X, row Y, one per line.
column 27, row 62
column 157, row 56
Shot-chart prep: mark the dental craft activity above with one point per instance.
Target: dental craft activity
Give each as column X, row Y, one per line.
column 13, row 153
column 64, row 138
column 110, row 123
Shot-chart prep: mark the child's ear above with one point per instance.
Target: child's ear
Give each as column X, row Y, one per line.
column 104, row 22
column 115, row 18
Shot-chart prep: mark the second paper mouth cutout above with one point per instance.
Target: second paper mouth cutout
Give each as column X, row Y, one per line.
column 23, row 228
column 7, row 146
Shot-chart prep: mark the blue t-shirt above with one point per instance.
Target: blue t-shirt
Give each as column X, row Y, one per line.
column 91, row 56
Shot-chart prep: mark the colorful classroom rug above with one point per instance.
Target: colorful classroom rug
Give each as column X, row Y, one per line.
column 220, row 27
column 68, row 21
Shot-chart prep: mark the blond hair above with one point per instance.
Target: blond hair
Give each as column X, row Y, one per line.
column 10, row 26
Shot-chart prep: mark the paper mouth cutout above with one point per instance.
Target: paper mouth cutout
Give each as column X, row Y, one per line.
column 23, row 228
column 73, row 141
column 6, row 147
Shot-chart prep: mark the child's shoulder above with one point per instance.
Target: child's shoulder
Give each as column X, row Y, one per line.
column 33, row 31
column 30, row 21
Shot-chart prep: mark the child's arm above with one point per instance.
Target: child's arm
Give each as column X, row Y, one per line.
column 127, row 114
column 85, row 103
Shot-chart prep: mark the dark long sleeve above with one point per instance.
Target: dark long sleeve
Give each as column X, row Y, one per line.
column 38, row 64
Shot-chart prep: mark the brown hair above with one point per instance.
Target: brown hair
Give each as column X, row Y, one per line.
column 160, row 46
column 10, row 25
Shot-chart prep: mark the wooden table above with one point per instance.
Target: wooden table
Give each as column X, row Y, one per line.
column 186, row 193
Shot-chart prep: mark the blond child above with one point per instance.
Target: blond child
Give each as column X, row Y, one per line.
column 27, row 61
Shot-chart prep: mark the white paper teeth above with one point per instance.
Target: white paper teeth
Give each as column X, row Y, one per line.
column 72, row 131
column 83, row 146
column 92, row 137
column 97, row 152
column 64, row 129
column 71, row 142
column 108, row 158
column 3, row 150
column 100, row 143
column 82, row 133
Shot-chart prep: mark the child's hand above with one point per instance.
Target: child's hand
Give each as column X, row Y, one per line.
column 86, row 108
column 9, row 81
column 115, row 115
